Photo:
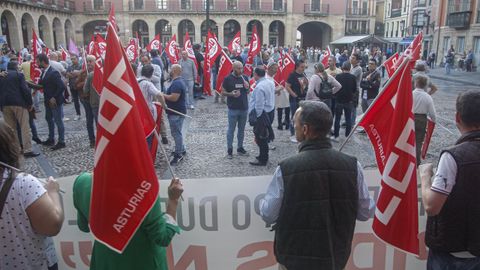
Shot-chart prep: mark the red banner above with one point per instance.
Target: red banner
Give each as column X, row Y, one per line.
column 102, row 46
column 412, row 51
column 97, row 80
column 189, row 49
column 252, row 52
column 389, row 124
column 171, row 50
column 235, row 45
column 224, row 70
column 154, row 44
column 65, row 54
column 90, row 45
column 212, row 51
column 111, row 18
column 125, row 185
column 391, row 64
column 428, row 137
column 132, row 50
column 326, row 55
column 35, row 71
column 288, row 66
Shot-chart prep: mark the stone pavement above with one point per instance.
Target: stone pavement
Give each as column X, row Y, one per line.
column 462, row 77
column 205, row 138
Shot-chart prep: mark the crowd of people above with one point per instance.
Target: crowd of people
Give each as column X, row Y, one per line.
column 315, row 196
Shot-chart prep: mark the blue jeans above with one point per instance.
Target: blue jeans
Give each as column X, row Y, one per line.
column 345, row 108
column 176, row 124
column 236, row 118
column 190, row 100
column 448, row 68
column 54, row 117
column 293, row 109
column 438, row 260
column 76, row 100
column 33, row 127
column 89, row 118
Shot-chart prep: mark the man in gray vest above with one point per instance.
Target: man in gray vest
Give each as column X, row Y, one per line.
column 315, row 197
column 451, row 199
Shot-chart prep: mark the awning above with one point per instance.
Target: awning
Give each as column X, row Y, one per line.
column 393, row 39
column 359, row 39
column 406, row 41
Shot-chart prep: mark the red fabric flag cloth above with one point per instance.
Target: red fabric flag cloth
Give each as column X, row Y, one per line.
column 111, row 18
column 102, row 46
column 97, row 81
column 279, row 77
column 389, row 124
column 125, row 186
column 132, row 50
column 171, row 50
column 158, row 123
column 154, row 44
column 35, row 71
column 413, row 50
column 288, row 66
column 252, row 52
column 252, row 83
column 235, row 44
column 428, row 137
column 326, row 55
column 90, row 45
column 189, row 49
column 224, row 70
column 65, row 54
column 212, row 51
column 391, row 64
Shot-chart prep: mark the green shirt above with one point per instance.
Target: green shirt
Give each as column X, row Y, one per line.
column 146, row 249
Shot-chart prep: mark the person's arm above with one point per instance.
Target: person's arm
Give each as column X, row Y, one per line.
column 46, row 213
column 59, row 85
column 366, row 205
column 435, row 194
column 288, row 86
column 270, row 205
column 87, row 87
column 431, row 109
column 433, row 89
column 311, row 88
column 259, row 99
column 194, row 69
column 174, row 96
column 336, row 85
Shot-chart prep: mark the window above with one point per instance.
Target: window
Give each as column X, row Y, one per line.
column 446, row 44
column 277, row 5
column 205, row 4
column 458, row 5
column 364, row 8
column 354, row 27
column 460, row 44
column 388, row 10
column 138, row 4
column 354, row 7
column 186, row 4
column 315, row 5
column 476, row 45
column 162, row 4
column 97, row 4
column 254, row 4
column 231, row 4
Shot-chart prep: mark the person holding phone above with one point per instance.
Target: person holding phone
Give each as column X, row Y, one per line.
column 236, row 88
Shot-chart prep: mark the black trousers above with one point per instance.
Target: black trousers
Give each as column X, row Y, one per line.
column 263, row 142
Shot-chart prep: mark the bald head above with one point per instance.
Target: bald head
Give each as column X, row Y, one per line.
column 237, row 68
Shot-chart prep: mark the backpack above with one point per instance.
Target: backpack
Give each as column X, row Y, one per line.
column 326, row 91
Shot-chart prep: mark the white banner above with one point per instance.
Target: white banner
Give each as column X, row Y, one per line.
column 221, row 230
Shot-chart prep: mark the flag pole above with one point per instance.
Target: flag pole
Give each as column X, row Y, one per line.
column 18, row 170
column 407, row 59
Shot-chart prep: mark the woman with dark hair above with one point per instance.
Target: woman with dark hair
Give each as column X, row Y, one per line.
column 29, row 211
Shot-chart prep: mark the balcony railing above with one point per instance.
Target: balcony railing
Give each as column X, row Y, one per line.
column 91, row 8
column 395, row 13
column 200, row 6
column 358, row 12
column 459, row 20
column 316, row 9
column 58, row 5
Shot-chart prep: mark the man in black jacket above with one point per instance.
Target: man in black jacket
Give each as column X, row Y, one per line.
column 451, row 198
column 16, row 101
column 370, row 84
column 344, row 99
column 315, row 197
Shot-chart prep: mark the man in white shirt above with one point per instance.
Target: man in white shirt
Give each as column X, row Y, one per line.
column 451, row 200
column 422, row 107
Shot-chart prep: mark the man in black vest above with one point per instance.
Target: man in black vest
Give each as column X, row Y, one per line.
column 315, row 197
column 452, row 198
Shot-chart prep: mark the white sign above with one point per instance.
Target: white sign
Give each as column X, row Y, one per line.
column 221, row 230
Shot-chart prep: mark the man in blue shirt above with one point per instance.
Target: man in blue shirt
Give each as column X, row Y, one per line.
column 263, row 102
column 175, row 100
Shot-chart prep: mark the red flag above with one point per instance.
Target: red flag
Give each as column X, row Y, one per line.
column 252, row 83
column 158, row 123
column 389, row 124
column 391, row 64
column 111, row 18
column 154, row 44
column 252, row 52
column 212, row 51
column 19, row 58
column 125, row 186
column 189, row 49
column 235, row 44
column 65, row 54
column 224, row 69
column 326, row 55
column 288, row 66
column 35, row 71
column 90, row 45
column 171, row 50
column 97, row 81
column 102, row 46
column 132, row 50
column 412, row 51
column 428, row 137
column 279, row 77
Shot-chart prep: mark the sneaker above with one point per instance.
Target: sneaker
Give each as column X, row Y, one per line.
column 293, row 139
column 164, row 140
column 57, row 146
column 176, row 159
column 230, row 153
column 192, row 107
column 76, row 118
column 65, row 119
column 241, row 151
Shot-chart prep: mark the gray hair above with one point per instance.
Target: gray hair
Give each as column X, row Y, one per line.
column 317, row 115
column 421, row 81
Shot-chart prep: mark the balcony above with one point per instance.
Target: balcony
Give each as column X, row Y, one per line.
column 316, row 9
column 90, row 8
column 459, row 20
column 358, row 12
column 195, row 7
column 56, row 5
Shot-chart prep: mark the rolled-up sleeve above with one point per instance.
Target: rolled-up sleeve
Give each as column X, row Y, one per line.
column 160, row 227
column 366, row 204
column 271, row 203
